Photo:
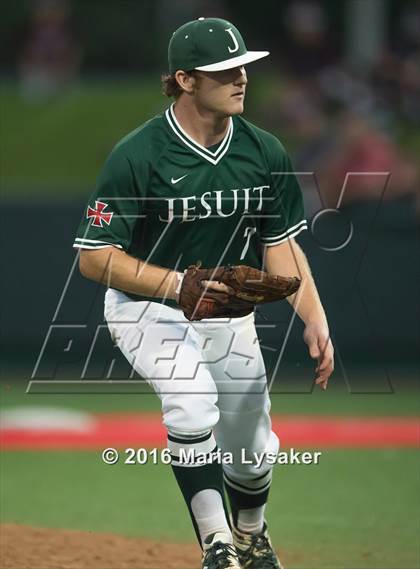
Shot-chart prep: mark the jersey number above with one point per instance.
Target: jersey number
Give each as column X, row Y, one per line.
column 248, row 233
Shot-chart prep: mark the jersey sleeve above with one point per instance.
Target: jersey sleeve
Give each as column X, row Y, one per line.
column 283, row 211
column 113, row 209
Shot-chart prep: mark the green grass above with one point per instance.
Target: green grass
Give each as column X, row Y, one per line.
column 358, row 509
column 355, row 510
column 58, row 145
column 335, row 401
column 77, row 490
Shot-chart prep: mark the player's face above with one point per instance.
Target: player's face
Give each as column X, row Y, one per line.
column 222, row 92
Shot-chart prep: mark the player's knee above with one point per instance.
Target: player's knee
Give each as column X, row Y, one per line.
column 264, row 449
column 259, row 456
column 191, row 414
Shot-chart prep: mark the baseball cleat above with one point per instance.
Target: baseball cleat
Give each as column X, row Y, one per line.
column 219, row 554
column 255, row 551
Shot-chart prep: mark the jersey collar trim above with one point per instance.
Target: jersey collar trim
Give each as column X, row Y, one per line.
column 213, row 157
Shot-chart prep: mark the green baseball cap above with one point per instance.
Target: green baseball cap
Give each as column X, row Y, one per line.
column 209, row 44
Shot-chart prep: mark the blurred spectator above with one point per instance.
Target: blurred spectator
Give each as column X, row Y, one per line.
column 50, row 56
column 341, row 86
column 396, row 81
column 308, row 47
column 306, row 124
column 396, row 75
column 362, row 149
column 332, row 145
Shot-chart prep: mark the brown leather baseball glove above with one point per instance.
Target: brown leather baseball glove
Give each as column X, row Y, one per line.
column 247, row 287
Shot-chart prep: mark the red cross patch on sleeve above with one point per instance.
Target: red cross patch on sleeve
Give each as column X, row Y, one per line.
column 98, row 214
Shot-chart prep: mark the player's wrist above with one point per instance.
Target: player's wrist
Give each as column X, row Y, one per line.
column 178, row 277
column 319, row 323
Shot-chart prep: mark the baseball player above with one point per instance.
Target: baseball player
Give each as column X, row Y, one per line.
column 186, row 207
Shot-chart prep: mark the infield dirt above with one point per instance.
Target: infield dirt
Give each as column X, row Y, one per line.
column 25, row 547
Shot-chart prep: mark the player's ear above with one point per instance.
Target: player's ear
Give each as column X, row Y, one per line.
column 186, row 81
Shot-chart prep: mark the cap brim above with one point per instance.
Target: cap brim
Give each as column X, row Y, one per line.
column 234, row 61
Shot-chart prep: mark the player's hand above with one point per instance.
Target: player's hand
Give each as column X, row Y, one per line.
column 221, row 287
column 318, row 340
column 214, row 285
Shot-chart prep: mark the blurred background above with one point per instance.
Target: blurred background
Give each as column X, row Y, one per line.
column 341, row 89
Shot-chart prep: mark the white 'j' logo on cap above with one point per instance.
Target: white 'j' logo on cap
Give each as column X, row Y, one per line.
column 235, row 41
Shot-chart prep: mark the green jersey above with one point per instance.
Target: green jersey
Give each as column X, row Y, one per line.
column 163, row 198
